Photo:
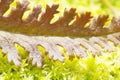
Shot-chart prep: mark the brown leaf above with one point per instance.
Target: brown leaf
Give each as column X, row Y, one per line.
column 17, row 13
column 34, row 26
column 48, row 15
column 96, row 27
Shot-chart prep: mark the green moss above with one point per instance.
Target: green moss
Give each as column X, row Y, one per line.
column 105, row 67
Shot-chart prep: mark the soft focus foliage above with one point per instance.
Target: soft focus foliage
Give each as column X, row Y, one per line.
column 105, row 67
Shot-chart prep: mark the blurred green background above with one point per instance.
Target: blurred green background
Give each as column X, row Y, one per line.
column 95, row 6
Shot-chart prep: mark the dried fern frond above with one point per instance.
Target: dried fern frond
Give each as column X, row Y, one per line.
column 34, row 32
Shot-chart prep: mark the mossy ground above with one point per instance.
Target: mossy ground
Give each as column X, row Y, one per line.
column 104, row 67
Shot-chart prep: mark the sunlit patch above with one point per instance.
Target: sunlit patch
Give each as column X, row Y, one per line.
column 42, row 49
column 7, row 12
column 22, row 52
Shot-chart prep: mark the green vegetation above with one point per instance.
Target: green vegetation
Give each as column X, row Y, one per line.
column 104, row 67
